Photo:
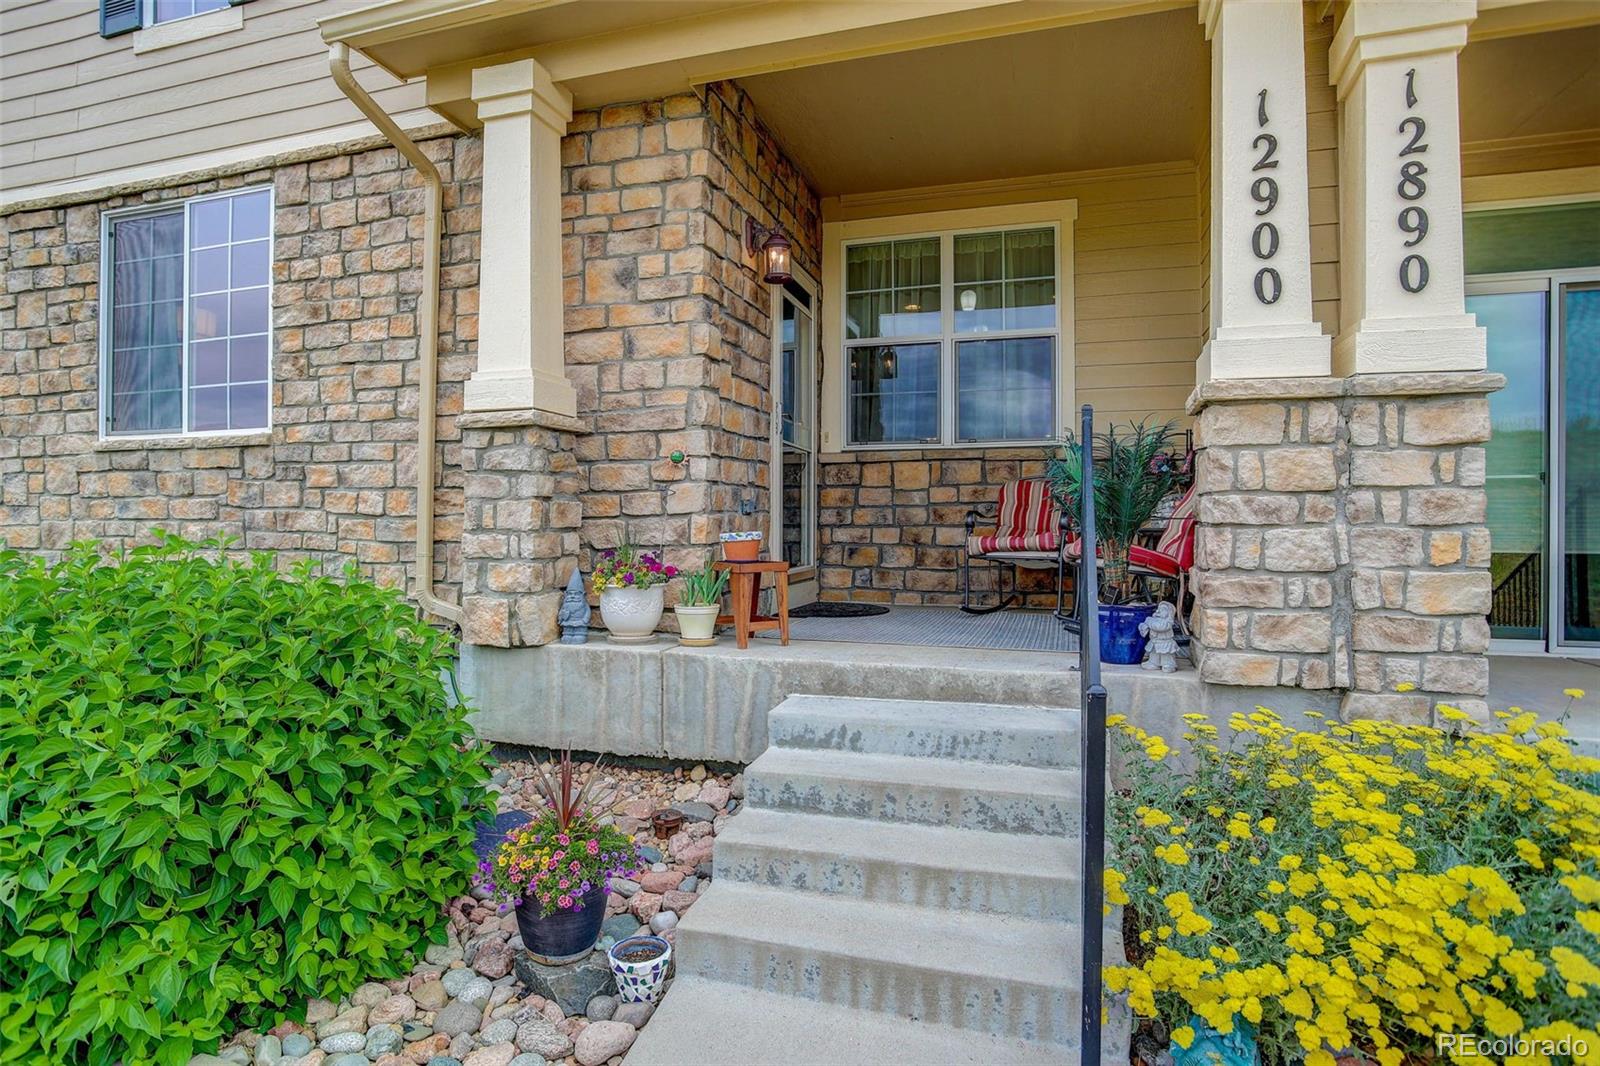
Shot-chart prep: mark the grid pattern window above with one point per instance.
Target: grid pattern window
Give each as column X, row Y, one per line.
column 189, row 349
column 172, row 10
column 952, row 338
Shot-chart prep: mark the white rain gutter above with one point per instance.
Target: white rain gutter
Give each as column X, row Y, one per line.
column 427, row 328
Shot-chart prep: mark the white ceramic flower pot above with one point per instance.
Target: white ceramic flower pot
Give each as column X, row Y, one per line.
column 697, row 625
column 639, row 982
column 631, row 615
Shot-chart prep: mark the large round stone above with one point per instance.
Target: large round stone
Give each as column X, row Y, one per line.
column 603, row 1040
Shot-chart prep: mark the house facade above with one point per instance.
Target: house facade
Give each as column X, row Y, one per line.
column 466, row 292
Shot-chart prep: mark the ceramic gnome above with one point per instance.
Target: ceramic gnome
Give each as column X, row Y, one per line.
column 1162, row 651
column 574, row 614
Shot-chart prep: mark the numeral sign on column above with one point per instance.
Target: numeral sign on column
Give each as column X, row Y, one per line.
column 1264, row 191
column 1413, row 220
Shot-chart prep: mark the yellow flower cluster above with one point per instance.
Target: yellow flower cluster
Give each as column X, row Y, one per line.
column 1364, row 884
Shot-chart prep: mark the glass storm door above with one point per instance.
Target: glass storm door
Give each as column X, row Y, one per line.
column 1577, row 340
column 796, row 516
column 1515, row 317
column 1542, row 470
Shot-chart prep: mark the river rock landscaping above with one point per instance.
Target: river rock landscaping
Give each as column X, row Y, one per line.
column 479, row 999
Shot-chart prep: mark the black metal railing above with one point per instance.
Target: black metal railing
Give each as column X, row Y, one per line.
column 1518, row 600
column 1093, row 746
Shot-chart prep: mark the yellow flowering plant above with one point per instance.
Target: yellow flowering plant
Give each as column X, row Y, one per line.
column 1364, row 885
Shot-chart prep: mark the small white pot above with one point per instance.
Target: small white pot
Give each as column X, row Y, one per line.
column 631, row 615
column 697, row 624
column 639, row 982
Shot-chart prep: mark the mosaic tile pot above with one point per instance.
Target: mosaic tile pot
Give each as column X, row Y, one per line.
column 639, row 982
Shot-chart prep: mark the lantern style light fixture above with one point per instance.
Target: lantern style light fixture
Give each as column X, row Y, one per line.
column 772, row 248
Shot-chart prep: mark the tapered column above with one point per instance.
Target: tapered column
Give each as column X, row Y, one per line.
column 1261, row 322
column 520, row 359
column 1402, row 290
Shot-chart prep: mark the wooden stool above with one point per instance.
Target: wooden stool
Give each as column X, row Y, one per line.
column 743, row 589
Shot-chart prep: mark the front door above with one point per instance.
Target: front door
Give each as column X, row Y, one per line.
column 794, row 419
column 1543, row 480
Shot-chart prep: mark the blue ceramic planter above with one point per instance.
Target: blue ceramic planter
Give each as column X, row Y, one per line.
column 564, row 936
column 1211, row 1048
column 1120, row 641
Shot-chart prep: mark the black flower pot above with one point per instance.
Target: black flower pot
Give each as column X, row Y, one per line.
column 565, row 936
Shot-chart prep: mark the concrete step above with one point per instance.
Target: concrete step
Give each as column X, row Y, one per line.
column 927, row 791
column 996, row 974
column 758, row 1028
column 983, row 732
column 929, row 866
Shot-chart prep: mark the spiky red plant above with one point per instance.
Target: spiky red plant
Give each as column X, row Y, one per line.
column 557, row 791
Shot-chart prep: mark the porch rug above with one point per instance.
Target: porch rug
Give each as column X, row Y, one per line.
column 940, row 627
column 834, row 609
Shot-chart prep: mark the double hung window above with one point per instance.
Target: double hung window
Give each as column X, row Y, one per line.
column 185, row 327
column 953, row 337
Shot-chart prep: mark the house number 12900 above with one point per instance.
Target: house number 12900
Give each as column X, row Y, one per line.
column 1413, row 220
column 1264, row 191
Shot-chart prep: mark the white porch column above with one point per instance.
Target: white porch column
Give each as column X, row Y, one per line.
column 1261, row 323
column 520, row 336
column 1402, row 301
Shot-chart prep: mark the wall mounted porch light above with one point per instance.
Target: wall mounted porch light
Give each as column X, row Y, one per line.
column 772, row 248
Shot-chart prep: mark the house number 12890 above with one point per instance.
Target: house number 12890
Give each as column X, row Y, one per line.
column 1264, row 191
column 1413, row 220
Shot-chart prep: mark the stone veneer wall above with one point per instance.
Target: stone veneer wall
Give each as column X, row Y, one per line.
column 892, row 523
column 1341, row 544
column 668, row 331
column 333, row 479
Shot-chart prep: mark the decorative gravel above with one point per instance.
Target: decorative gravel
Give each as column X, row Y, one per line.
column 464, row 1003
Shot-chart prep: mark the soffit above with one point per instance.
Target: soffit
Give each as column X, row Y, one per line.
column 1107, row 94
column 1536, row 85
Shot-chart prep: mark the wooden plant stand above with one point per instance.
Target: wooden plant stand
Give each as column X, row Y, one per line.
column 744, row 586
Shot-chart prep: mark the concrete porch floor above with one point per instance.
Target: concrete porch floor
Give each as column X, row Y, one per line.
column 1535, row 683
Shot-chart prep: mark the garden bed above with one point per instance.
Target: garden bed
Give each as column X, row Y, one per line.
column 464, row 1002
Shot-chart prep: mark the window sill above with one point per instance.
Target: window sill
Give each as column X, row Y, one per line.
column 198, row 440
column 182, row 31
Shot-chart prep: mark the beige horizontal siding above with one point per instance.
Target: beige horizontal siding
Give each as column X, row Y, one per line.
column 1140, row 303
column 1322, row 169
column 79, row 112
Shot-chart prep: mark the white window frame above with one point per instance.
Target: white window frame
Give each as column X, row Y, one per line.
column 108, row 220
column 148, row 14
column 839, row 237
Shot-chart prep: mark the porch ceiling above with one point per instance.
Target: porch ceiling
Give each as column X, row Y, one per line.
column 1087, row 97
column 1556, row 78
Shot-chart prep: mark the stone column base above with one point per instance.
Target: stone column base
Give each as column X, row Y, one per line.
column 1341, row 544
column 519, row 542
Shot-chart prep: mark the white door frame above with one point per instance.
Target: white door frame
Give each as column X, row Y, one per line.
column 803, row 584
column 1549, row 282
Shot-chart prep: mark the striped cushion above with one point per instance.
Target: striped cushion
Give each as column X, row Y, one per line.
column 1174, row 551
column 1028, row 520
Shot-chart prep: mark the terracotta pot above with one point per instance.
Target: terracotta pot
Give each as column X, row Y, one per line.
column 631, row 615
column 741, row 551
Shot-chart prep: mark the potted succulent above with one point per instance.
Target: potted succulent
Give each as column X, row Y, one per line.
column 699, row 604
column 1131, row 479
column 630, row 583
column 556, row 869
column 640, row 965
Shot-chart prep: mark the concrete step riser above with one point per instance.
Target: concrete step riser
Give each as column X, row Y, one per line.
column 924, row 804
column 1015, row 1008
column 771, row 863
column 1048, row 748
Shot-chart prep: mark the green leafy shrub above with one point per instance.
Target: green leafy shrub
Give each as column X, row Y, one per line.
column 222, row 789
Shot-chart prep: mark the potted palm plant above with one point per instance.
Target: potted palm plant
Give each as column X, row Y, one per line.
column 1132, row 476
column 556, row 869
column 699, row 604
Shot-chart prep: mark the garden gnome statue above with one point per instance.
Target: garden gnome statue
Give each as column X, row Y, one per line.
column 1162, row 651
column 574, row 616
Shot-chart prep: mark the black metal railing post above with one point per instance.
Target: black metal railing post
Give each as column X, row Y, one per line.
column 1093, row 749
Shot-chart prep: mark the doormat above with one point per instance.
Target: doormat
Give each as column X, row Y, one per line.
column 821, row 609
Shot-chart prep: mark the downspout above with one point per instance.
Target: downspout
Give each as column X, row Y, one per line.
column 427, row 328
